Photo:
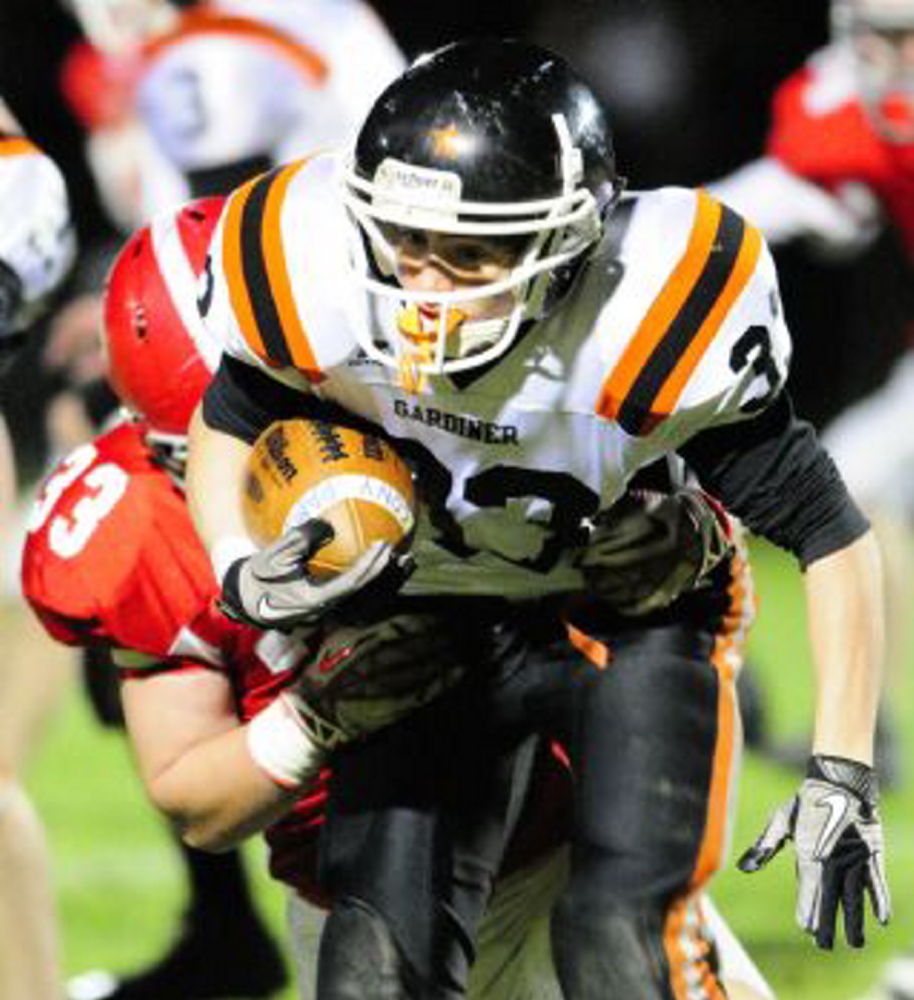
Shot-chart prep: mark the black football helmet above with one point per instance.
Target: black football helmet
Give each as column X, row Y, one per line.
column 491, row 138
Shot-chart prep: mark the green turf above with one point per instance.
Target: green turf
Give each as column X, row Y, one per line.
column 120, row 892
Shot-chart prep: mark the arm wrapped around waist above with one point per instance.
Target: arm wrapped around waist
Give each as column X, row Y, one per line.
column 367, row 676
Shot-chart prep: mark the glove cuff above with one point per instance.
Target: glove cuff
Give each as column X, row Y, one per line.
column 857, row 778
column 229, row 601
column 713, row 526
column 227, row 552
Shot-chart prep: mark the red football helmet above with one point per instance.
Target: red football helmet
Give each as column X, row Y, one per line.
column 161, row 357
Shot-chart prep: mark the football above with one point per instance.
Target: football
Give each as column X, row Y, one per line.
column 301, row 469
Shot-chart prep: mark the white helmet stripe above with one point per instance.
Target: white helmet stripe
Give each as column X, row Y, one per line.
column 181, row 282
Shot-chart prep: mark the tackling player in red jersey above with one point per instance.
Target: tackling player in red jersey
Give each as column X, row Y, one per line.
column 97, row 582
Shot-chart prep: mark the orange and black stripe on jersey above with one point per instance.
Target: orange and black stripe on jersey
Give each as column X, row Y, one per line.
column 257, row 274
column 16, row 145
column 719, row 259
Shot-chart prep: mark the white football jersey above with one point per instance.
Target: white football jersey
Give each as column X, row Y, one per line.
column 37, row 240
column 673, row 326
column 247, row 78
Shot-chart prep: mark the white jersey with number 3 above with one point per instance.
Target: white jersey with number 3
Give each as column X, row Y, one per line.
column 251, row 78
column 673, row 326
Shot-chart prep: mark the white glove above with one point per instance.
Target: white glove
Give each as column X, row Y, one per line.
column 834, row 823
column 272, row 588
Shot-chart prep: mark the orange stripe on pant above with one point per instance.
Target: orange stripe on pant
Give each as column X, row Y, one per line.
column 687, row 952
column 681, row 944
column 593, row 650
column 664, row 308
column 725, row 658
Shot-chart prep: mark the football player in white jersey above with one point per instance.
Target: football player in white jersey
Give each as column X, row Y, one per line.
column 36, row 250
column 221, row 91
column 473, row 282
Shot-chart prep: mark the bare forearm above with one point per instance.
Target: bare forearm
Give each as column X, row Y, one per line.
column 846, row 623
column 217, row 796
column 215, row 475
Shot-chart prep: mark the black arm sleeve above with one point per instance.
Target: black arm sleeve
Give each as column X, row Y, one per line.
column 772, row 473
column 242, row 401
column 225, row 177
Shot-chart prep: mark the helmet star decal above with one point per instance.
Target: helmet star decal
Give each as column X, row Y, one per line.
column 446, row 141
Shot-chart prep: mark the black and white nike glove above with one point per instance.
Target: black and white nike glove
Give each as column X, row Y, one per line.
column 834, row 823
column 272, row 589
column 649, row 548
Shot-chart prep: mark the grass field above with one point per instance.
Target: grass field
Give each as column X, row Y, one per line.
column 120, row 893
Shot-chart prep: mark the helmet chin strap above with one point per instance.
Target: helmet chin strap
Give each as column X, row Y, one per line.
column 170, row 451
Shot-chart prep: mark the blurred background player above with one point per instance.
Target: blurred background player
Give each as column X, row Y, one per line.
column 36, row 251
column 185, row 100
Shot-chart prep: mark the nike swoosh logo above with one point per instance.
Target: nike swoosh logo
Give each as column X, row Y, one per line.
column 332, row 660
column 268, row 613
column 837, row 805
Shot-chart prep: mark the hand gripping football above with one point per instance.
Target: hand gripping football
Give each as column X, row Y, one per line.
column 301, row 469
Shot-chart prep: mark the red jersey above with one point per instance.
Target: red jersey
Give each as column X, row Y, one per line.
column 821, row 132
column 112, row 557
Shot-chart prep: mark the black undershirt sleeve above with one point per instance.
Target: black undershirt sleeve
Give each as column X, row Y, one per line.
column 224, row 178
column 242, row 401
column 775, row 476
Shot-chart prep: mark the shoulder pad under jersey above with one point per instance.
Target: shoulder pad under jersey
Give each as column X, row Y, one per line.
column 694, row 328
column 281, row 295
column 111, row 555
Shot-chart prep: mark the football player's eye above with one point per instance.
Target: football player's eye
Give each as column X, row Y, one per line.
column 468, row 256
column 411, row 242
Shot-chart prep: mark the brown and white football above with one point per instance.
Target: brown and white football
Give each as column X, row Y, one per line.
column 301, row 469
